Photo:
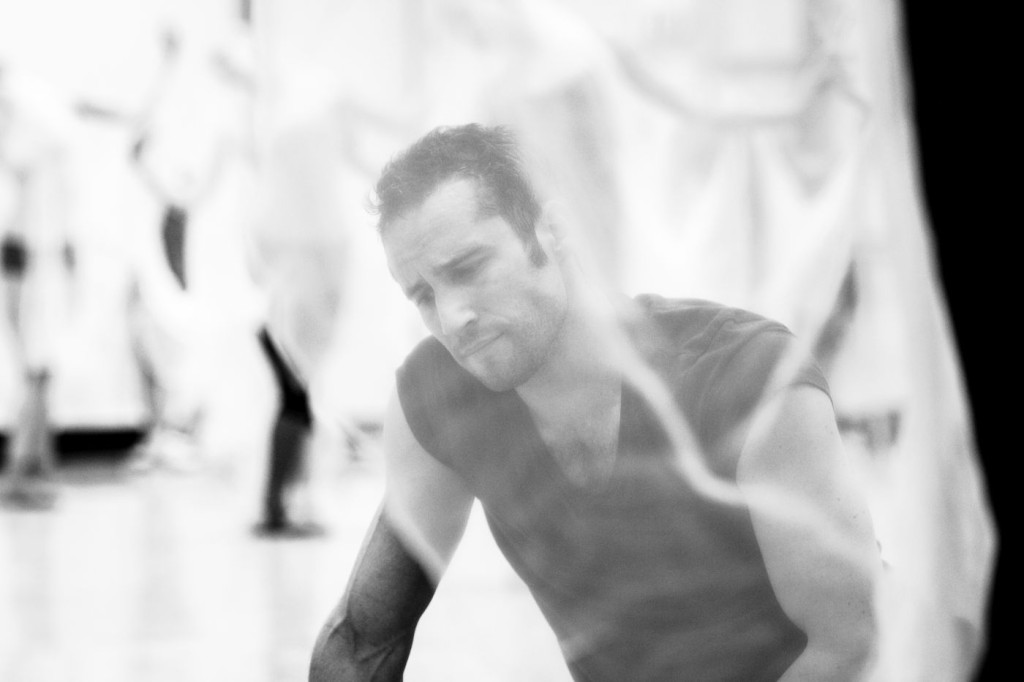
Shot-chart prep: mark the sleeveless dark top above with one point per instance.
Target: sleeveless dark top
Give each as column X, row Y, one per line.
column 643, row 577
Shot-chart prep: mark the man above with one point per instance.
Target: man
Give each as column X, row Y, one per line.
column 667, row 529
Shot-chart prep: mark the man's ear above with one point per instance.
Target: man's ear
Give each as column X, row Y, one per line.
column 551, row 230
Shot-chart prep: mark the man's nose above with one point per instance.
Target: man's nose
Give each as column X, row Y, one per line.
column 454, row 313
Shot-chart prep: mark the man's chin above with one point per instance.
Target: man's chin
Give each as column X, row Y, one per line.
column 494, row 380
column 488, row 379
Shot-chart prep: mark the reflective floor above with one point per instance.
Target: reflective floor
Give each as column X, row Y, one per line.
column 157, row 577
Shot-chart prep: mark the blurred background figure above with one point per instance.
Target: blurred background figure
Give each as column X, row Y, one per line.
column 176, row 195
column 289, row 448
column 193, row 150
column 38, row 260
column 297, row 251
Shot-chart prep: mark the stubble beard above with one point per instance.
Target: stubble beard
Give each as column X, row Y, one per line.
column 517, row 365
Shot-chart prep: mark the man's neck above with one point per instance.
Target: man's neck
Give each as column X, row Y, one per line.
column 575, row 398
column 582, row 363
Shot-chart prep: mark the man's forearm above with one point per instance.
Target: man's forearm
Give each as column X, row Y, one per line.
column 341, row 655
column 369, row 635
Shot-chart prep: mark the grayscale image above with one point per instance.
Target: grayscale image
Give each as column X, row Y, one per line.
column 478, row 340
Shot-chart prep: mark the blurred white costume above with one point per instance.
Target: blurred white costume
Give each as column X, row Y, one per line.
column 196, row 155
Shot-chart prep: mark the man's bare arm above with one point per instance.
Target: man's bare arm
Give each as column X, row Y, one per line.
column 369, row 634
column 815, row 532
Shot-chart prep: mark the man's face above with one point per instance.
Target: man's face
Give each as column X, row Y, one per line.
column 475, row 286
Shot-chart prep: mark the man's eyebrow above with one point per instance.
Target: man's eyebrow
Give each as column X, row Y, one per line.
column 452, row 263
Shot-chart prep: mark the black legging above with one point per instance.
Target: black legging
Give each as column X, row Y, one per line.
column 173, row 228
column 292, row 426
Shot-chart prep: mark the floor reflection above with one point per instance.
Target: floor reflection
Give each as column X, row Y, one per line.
column 157, row 577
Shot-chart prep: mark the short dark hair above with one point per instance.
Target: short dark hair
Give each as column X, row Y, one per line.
column 489, row 155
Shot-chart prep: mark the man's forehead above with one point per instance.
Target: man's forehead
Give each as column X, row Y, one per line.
column 457, row 195
column 452, row 202
column 433, row 223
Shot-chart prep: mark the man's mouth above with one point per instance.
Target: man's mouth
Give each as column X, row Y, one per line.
column 476, row 346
